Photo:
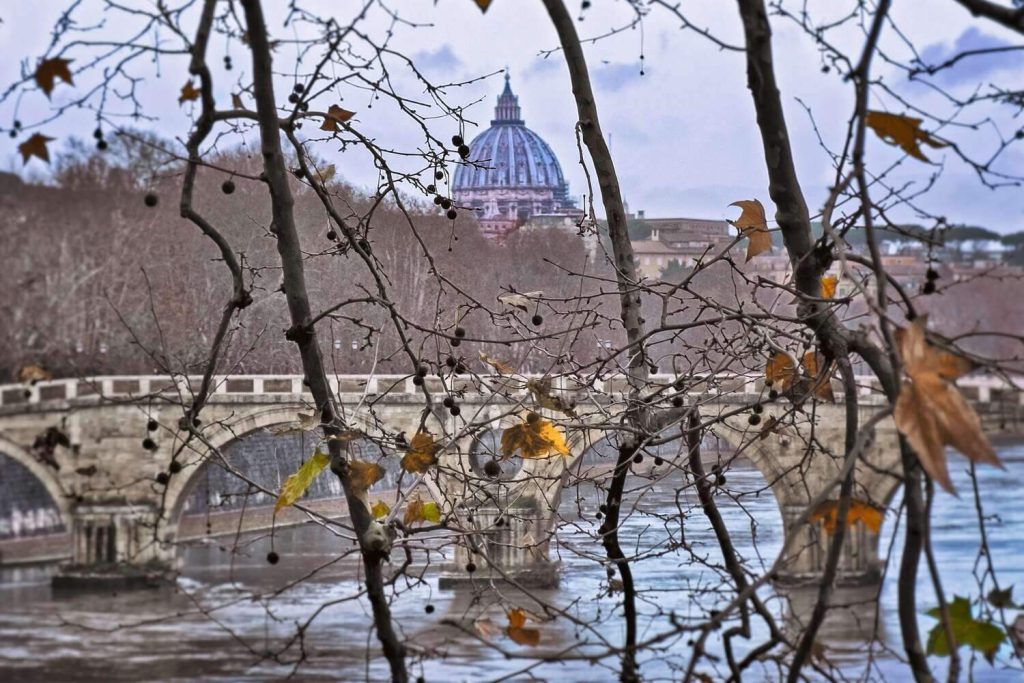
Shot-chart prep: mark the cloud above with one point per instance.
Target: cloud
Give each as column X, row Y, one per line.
column 970, row 69
column 612, row 77
column 443, row 59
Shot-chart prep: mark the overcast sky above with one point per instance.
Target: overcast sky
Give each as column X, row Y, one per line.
column 683, row 134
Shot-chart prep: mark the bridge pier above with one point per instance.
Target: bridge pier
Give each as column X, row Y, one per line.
column 800, row 459
column 113, row 547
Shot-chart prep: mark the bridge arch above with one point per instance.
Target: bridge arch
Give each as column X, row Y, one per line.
column 45, row 475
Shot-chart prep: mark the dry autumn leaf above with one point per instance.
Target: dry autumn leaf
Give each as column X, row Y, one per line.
column 335, row 115
column 753, row 225
column 418, row 511
column 540, row 389
column 236, row 101
column 35, row 146
column 782, row 373
column 500, row 366
column 518, row 631
column 362, row 475
column 189, row 93
column 380, row 509
column 930, row 411
column 828, row 286
column 904, row 131
column 32, row 373
column 49, row 70
column 860, row 511
column 296, row 484
column 421, row 455
column 535, row 437
column 522, row 301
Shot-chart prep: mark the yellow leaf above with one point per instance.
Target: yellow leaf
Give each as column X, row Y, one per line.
column 35, row 146
column 335, row 115
column 904, row 131
column 325, row 174
column 753, row 225
column 860, row 511
column 533, row 438
column 32, row 373
column 931, row 412
column 418, row 511
column 501, row 366
column 362, row 475
column 380, row 510
column 296, row 485
column 483, row 4
column 828, row 286
column 189, row 93
column 421, row 455
column 517, row 630
column 49, row 70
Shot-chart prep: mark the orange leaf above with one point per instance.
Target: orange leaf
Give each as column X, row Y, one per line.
column 534, row 438
column 421, row 455
column 930, row 411
column 418, row 511
column 335, row 115
column 35, row 146
column 828, row 286
column 517, row 630
column 362, row 475
column 189, row 93
column 783, row 375
column 501, row 366
column 32, row 373
column 753, row 225
column 860, row 511
column 49, row 70
column 903, row 131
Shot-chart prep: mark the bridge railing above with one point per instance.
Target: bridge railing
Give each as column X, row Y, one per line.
column 980, row 388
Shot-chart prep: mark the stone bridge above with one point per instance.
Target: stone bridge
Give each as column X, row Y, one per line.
column 109, row 498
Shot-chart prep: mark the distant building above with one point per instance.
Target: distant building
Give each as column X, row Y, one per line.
column 511, row 176
column 679, row 240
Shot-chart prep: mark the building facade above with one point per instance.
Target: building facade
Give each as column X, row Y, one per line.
column 511, row 176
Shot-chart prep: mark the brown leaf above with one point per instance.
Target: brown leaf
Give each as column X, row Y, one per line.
column 418, row 511
column 483, row 4
column 518, row 631
column 501, row 366
column 35, row 146
column 33, row 372
column 189, row 93
column 335, row 115
column 753, row 225
column 236, row 101
column 785, row 378
column 862, row 511
column 533, row 438
column 930, row 411
column 904, row 131
column 325, row 174
column 421, row 455
column 540, row 389
column 49, row 70
column 362, row 475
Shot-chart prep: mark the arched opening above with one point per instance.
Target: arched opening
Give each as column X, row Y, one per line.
column 34, row 515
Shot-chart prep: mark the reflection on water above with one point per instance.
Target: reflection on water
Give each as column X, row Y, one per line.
column 229, row 618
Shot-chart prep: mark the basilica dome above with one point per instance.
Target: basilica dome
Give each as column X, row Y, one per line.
column 511, row 174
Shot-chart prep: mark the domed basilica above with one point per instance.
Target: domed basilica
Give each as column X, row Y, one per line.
column 512, row 177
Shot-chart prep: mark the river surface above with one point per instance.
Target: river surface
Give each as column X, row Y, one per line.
column 231, row 616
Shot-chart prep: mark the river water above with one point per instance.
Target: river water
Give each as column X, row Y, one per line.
column 232, row 616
